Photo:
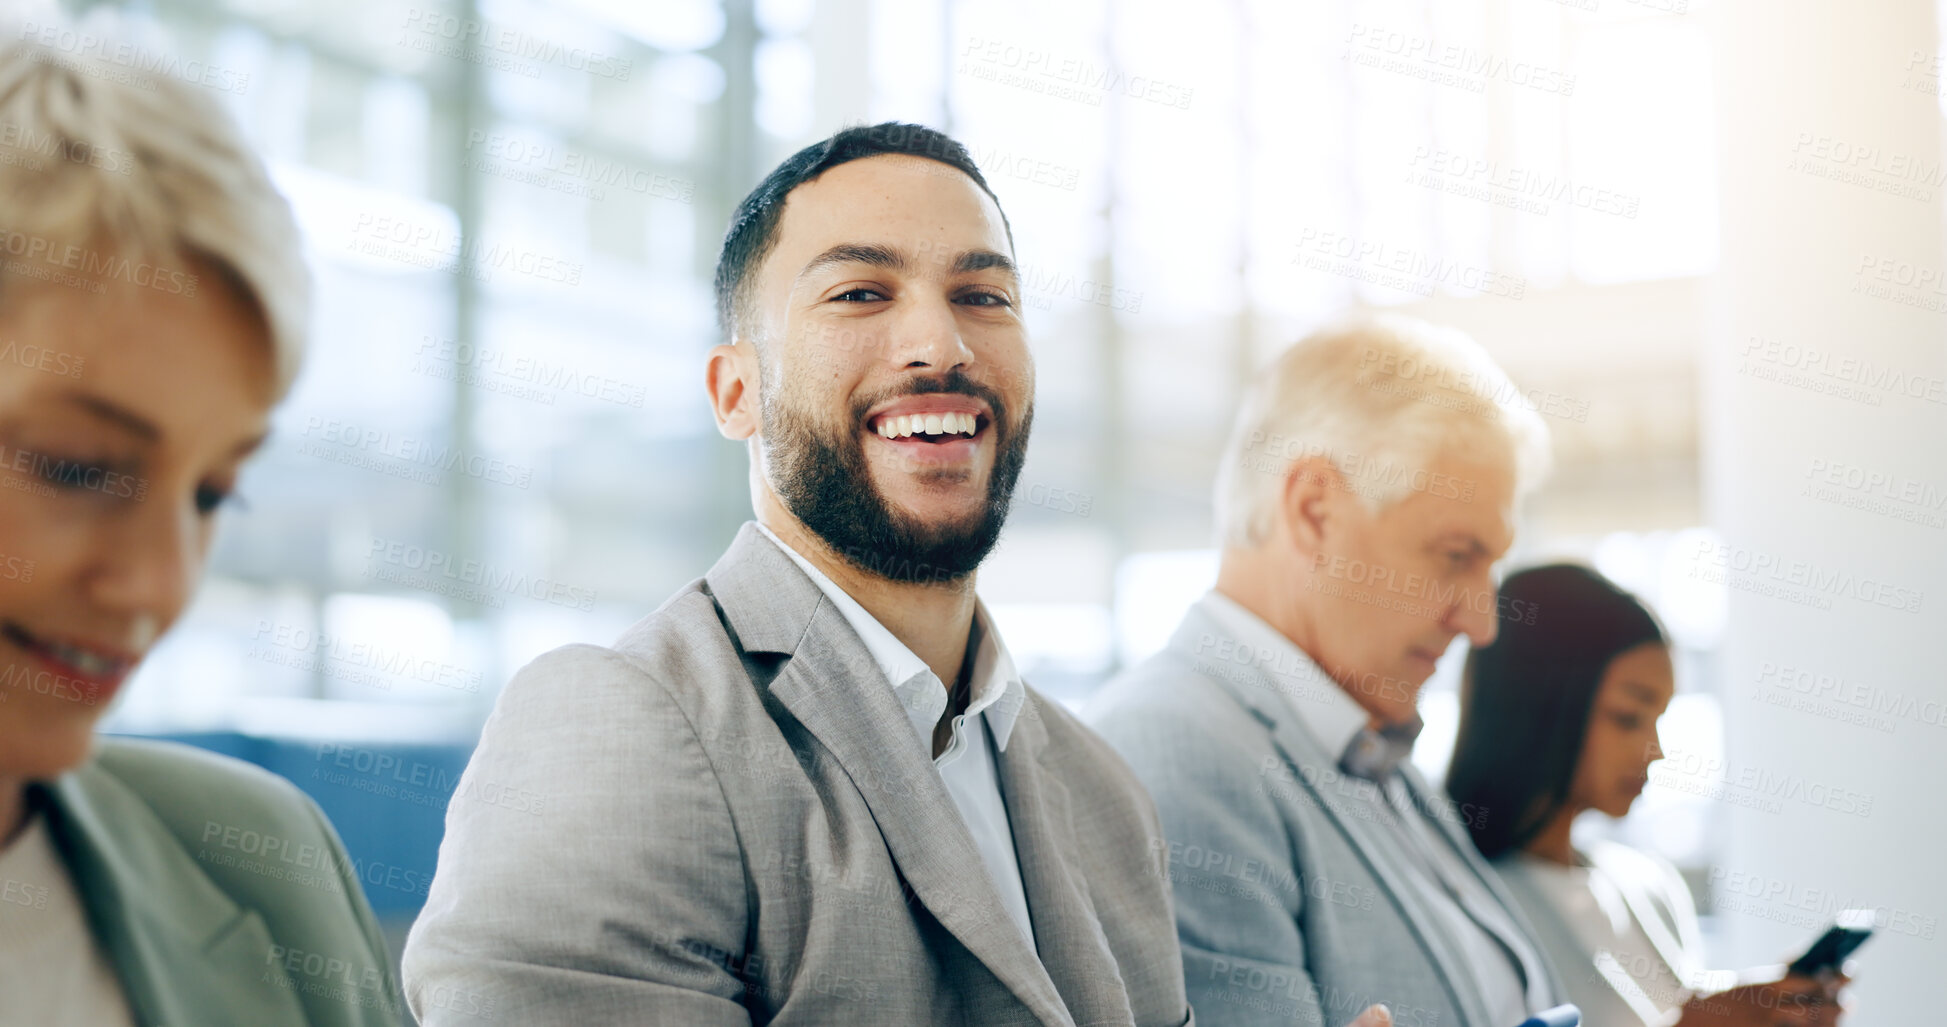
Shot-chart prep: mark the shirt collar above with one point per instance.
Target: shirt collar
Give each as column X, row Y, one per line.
column 998, row 690
column 1339, row 724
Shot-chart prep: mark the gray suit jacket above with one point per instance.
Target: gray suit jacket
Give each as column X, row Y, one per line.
column 1292, row 906
column 727, row 819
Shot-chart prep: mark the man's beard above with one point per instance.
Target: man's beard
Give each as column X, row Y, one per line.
column 824, row 481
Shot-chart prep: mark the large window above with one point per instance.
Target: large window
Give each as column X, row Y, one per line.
column 512, row 209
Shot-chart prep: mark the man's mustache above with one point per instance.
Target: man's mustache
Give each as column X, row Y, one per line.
column 954, row 382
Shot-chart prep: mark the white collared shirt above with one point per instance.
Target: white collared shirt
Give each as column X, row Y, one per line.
column 1496, row 952
column 967, row 766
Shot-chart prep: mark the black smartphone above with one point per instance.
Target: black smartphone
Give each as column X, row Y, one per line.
column 1849, row 931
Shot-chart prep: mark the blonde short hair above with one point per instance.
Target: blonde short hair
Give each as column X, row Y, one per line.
column 116, row 171
column 1381, row 397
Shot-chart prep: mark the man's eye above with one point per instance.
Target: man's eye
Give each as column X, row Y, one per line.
column 986, row 299
column 1627, row 721
column 858, row 296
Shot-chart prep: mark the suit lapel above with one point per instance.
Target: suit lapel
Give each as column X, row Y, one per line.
column 1301, row 750
column 185, row 952
column 833, row 687
column 1067, row 931
column 1263, row 695
column 1462, row 846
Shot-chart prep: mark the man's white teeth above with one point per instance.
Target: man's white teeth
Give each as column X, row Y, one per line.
column 906, row 425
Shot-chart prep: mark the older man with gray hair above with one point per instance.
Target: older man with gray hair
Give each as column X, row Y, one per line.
column 1367, row 491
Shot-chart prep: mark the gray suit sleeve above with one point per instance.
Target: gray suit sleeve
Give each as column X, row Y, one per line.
column 590, row 871
column 1234, row 882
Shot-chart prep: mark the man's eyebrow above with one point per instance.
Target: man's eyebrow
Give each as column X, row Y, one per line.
column 857, row 253
column 981, row 260
column 115, row 414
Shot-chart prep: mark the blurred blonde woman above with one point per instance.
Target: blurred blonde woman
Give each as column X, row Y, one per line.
column 152, row 305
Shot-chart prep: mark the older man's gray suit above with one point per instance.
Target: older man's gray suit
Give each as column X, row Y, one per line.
column 1292, row 906
column 737, row 825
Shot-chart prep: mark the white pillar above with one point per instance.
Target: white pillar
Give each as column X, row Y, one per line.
column 1827, row 356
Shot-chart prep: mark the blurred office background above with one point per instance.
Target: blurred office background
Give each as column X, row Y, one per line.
column 1698, row 235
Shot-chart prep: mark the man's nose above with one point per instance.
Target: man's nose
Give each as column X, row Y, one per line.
column 1475, row 615
column 927, row 337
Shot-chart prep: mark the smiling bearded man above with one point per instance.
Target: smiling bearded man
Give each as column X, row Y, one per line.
column 811, row 789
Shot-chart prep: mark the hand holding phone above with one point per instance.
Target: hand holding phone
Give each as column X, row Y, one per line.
column 1828, row 954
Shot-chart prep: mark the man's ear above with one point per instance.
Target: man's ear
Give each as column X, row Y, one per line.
column 1308, row 505
column 730, row 375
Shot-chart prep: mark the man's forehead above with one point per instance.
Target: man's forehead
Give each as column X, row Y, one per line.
column 1474, row 509
column 893, row 201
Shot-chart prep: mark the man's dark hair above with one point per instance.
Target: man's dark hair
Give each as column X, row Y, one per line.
column 753, row 226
